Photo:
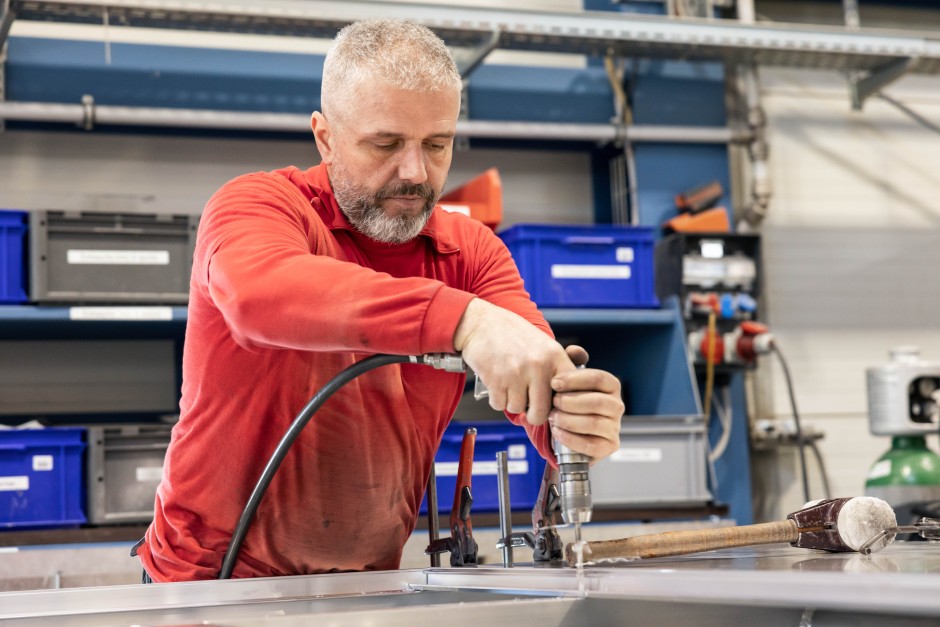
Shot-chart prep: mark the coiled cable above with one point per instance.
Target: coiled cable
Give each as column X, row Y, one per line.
column 450, row 363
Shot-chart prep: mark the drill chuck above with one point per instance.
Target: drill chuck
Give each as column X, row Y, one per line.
column 574, row 485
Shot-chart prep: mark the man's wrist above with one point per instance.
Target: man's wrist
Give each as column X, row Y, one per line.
column 468, row 323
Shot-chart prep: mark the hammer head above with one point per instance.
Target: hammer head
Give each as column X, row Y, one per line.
column 844, row 524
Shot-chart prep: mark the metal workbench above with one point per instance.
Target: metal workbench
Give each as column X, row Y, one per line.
column 772, row 585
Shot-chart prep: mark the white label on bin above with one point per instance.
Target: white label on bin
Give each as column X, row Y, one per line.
column 631, row 455
column 42, row 462
column 149, row 473
column 118, row 257
column 120, row 313
column 880, row 469
column 449, row 469
column 625, row 254
column 516, row 451
column 570, row 271
column 14, row 484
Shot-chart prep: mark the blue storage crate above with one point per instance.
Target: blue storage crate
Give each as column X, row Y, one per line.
column 13, row 256
column 41, row 483
column 525, row 467
column 585, row 266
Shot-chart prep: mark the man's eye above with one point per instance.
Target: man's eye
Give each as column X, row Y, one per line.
column 436, row 147
column 391, row 146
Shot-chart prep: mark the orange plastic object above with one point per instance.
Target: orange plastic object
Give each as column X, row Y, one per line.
column 700, row 198
column 708, row 221
column 481, row 198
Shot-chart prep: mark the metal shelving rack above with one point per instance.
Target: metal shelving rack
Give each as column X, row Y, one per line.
column 871, row 58
column 575, row 32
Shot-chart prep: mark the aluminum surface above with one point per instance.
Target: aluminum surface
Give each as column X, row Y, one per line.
column 773, row 585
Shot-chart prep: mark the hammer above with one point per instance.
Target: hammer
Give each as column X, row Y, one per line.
column 837, row 525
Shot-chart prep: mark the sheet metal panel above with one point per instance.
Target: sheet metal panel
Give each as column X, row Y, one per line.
column 773, row 585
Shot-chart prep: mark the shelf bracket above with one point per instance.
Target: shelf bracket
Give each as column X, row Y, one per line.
column 864, row 87
column 468, row 60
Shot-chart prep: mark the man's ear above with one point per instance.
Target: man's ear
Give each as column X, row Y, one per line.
column 323, row 135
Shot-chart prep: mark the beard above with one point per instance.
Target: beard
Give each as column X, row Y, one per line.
column 363, row 208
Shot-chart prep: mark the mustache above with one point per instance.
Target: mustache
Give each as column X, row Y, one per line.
column 422, row 190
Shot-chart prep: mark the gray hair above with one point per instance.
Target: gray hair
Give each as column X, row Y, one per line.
column 398, row 53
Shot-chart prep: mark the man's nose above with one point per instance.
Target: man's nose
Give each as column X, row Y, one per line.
column 412, row 167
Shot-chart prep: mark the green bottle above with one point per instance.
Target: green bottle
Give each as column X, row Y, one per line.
column 908, row 473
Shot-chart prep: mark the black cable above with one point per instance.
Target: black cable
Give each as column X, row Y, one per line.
column 796, row 421
column 334, row 384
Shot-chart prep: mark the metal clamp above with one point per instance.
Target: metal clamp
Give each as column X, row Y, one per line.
column 546, row 543
column 461, row 545
column 544, row 540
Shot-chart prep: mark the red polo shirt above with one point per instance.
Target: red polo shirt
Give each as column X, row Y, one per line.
column 284, row 295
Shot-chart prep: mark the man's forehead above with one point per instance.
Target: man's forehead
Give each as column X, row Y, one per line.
column 381, row 95
column 385, row 111
column 389, row 134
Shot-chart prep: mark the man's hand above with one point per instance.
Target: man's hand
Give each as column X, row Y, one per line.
column 515, row 360
column 587, row 409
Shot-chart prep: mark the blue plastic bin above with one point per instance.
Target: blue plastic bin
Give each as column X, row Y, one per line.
column 585, row 266
column 13, row 256
column 41, row 482
column 525, row 467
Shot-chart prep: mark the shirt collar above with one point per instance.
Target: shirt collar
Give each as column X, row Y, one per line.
column 329, row 211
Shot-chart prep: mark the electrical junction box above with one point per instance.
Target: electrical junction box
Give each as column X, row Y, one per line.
column 904, row 394
column 714, row 273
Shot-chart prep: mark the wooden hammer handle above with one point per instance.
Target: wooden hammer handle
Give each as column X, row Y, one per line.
column 684, row 542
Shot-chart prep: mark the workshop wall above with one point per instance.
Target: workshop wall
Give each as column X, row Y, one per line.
column 852, row 247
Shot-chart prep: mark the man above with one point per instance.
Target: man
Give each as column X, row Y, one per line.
column 299, row 274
